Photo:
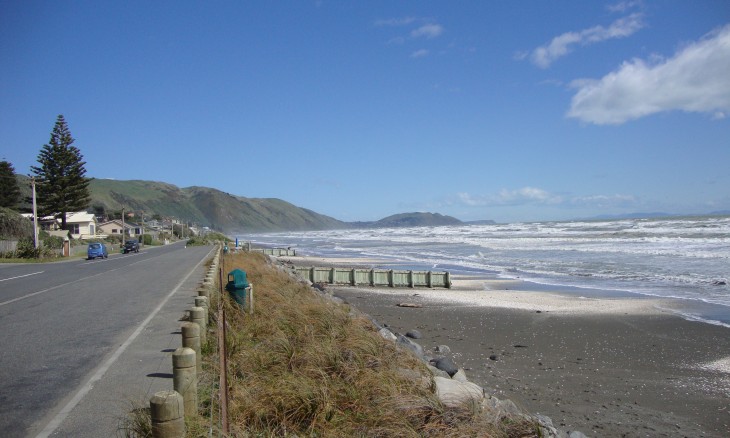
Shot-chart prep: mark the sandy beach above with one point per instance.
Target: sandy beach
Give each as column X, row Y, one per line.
column 607, row 366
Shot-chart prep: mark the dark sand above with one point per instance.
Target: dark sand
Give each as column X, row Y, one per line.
column 607, row 375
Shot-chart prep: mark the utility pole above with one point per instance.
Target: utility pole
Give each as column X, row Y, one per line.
column 35, row 215
column 124, row 238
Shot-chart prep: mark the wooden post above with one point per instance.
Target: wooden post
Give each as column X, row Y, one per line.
column 372, row 277
column 197, row 315
column 203, row 302
column 354, row 275
column 185, row 378
column 168, row 415
column 203, row 292
column 410, row 279
column 191, row 339
column 447, row 277
column 311, row 274
column 429, row 281
column 391, row 280
column 332, row 276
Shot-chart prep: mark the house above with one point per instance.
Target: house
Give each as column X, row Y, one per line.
column 80, row 224
column 131, row 230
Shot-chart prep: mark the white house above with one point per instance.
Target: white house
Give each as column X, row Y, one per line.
column 80, row 224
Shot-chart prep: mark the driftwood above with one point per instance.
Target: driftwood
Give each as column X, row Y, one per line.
column 414, row 305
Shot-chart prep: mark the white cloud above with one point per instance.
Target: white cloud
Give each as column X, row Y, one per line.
column 430, row 30
column 395, row 21
column 525, row 195
column 695, row 79
column 602, row 201
column 623, row 6
column 563, row 44
column 419, row 53
column 537, row 196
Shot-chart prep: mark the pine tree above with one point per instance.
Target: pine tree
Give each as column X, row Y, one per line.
column 61, row 184
column 9, row 190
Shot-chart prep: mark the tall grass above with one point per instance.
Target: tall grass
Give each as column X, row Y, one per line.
column 303, row 365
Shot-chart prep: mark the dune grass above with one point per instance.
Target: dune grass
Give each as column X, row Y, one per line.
column 302, row 365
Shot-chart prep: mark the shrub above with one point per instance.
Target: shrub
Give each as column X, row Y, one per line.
column 53, row 242
column 26, row 249
column 13, row 225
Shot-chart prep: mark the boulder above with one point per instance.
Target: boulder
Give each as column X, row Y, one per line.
column 445, row 364
column 387, row 334
column 414, row 334
column 454, row 394
column 407, row 343
column 437, row 372
column 442, row 349
column 460, row 376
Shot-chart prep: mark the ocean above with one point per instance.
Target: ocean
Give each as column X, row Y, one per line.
column 685, row 258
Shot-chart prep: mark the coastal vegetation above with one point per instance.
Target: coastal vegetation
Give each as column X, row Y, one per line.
column 303, row 365
column 61, row 184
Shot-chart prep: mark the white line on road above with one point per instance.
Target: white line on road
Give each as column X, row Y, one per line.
column 58, row 419
column 21, row 276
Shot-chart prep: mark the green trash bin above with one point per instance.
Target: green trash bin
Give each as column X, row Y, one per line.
column 237, row 285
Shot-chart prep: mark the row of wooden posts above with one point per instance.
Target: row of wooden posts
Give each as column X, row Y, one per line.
column 168, row 409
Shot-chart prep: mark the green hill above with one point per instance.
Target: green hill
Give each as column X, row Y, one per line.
column 207, row 206
column 223, row 211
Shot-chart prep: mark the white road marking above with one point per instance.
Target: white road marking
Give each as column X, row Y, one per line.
column 21, row 276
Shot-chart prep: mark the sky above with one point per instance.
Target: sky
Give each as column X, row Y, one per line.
column 503, row 110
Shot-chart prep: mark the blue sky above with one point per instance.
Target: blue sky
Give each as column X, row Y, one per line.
column 512, row 111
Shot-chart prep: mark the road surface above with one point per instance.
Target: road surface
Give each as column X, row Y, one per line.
column 65, row 329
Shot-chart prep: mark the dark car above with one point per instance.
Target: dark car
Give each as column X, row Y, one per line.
column 130, row 246
column 96, row 250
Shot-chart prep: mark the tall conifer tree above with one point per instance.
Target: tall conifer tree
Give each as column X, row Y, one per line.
column 61, row 183
column 9, row 190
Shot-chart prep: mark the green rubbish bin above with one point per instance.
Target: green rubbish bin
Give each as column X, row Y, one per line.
column 237, row 285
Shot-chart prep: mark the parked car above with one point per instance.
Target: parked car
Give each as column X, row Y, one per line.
column 96, row 250
column 130, row 246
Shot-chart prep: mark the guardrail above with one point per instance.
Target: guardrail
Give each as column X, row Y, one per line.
column 277, row 252
column 375, row 277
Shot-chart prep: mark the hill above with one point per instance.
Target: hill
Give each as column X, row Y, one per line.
column 410, row 220
column 207, row 206
column 223, row 211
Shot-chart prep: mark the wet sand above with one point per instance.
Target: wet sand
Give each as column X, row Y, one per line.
column 607, row 367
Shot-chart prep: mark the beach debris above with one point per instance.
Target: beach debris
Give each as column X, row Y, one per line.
column 414, row 334
column 445, row 364
column 493, row 357
column 319, row 286
column 520, row 346
column 413, row 305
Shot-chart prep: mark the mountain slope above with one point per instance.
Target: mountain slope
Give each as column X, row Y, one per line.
column 207, row 206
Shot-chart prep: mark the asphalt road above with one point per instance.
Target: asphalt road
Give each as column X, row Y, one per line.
column 59, row 322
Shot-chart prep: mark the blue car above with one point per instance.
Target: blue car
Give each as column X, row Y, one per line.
column 96, row 250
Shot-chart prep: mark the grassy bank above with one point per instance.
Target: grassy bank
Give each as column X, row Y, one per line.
column 303, row 365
